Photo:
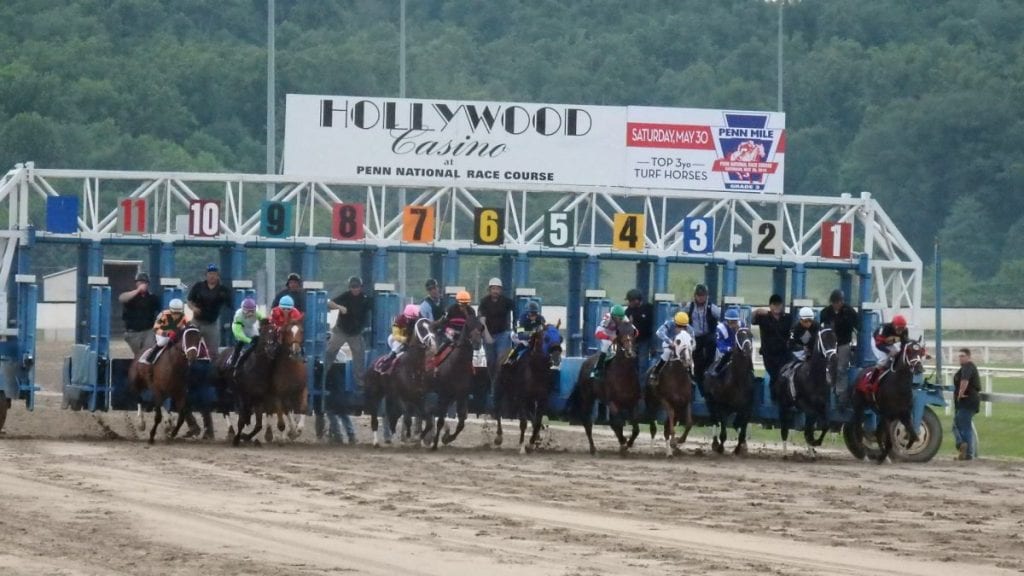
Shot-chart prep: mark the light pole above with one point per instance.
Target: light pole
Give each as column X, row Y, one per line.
column 401, row 94
column 271, row 264
column 779, row 77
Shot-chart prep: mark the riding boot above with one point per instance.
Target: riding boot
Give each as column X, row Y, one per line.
column 655, row 372
column 598, row 368
column 236, row 356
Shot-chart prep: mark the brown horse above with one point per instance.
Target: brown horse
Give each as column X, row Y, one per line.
column 167, row 377
column 618, row 389
column 453, row 380
column 289, row 393
column 526, row 384
column 893, row 401
column 249, row 382
column 673, row 393
column 403, row 389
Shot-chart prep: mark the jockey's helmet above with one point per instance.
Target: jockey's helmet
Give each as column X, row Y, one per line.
column 494, row 282
column 411, row 311
column 249, row 305
column 898, row 321
column 463, row 297
column 806, row 313
column 732, row 314
column 176, row 305
column 294, row 276
column 532, row 307
column 286, row 302
column 681, row 318
column 618, row 311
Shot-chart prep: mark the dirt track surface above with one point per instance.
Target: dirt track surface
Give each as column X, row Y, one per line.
column 75, row 503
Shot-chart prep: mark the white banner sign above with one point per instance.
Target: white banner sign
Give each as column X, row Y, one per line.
column 407, row 141
column 452, row 142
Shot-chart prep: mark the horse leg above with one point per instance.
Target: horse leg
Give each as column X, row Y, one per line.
column 462, row 411
column 688, row 423
column 442, row 413
column 884, row 442
column 741, row 443
column 243, row 421
column 156, row 418
column 636, row 429
column 653, row 427
column 912, row 437
column 722, row 435
column 538, row 423
column 785, row 417
column 587, row 416
column 182, row 409
column 670, row 430
column 522, row 429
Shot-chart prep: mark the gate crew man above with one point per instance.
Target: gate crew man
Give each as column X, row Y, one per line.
column 432, row 308
column 206, row 299
column 843, row 320
column 704, row 320
column 293, row 288
column 641, row 314
column 354, row 310
column 140, row 308
column 496, row 311
column 775, row 325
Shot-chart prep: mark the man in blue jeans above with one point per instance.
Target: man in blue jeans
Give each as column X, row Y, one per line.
column 966, row 401
column 496, row 311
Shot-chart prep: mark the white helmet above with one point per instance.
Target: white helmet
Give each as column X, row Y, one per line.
column 806, row 313
column 494, row 282
column 177, row 305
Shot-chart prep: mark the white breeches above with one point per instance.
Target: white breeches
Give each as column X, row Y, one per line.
column 162, row 340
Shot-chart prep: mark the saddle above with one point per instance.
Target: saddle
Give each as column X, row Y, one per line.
column 385, row 364
column 144, row 357
column 869, row 382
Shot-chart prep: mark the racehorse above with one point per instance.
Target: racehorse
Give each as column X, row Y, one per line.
column 618, row 389
column 250, row 382
column 453, row 380
column 893, row 399
column 526, row 384
column 403, row 389
column 733, row 393
column 673, row 393
column 289, row 394
column 167, row 376
column 805, row 387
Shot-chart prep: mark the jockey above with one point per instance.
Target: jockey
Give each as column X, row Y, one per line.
column 886, row 338
column 529, row 322
column 167, row 326
column 667, row 334
column 454, row 320
column 804, row 334
column 606, row 333
column 246, row 329
column 726, row 338
column 284, row 312
column 400, row 328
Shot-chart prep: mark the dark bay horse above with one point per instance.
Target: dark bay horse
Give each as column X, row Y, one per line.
column 673, row 393
column 805, row 389
column 250, row 382
column 526, row 384
column 893, row 400
column 618, row 389
column 167, row 377
column 453, row 380
column 733, row 393
column 289, row 394
column 403, row 389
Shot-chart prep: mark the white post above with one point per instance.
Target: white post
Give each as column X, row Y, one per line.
column 988, row 390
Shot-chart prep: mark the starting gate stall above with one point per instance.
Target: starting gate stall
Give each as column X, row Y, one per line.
column 583, row 225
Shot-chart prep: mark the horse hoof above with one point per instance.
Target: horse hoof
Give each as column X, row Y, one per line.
column 446, row 440
column 593, row 451
column 718, row 448
column 741, row 450
column 236, row 441
column 256, row 443
column 522, row 450
column 497, row 440
column 151, row 442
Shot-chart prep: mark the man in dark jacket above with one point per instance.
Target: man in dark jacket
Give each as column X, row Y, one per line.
column 843, row 320
column 207, row 298
column 496, row 310
column 354, row 309
column 775, row 324
column 704, row 317
column 967, row 401
column 641, row 314
column 293, row 288
column 140, row 309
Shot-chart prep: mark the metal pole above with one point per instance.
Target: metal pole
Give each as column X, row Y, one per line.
column 938, row 314
column 401, row 94
column 271, row 264
column 780, row 2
